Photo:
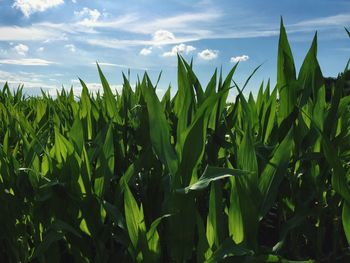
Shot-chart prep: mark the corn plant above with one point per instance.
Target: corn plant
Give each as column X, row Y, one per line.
column 188, row 178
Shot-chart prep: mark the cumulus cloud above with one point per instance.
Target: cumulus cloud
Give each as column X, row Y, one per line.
column 21, row 49
column 181, row 49
column 27, row 62
column 70, row 47
column 239, row 58
column 146, row 51
column 163, row 36
column 208, row 54
column 28, row 7
column 89, row 16
column 40, row 49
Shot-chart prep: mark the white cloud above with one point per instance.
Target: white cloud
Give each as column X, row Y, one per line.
column 336, row 20
column 146, row 51
column 239, row 58
column 181, row 49
column 70, row 47
column 208, row 54
column 27, row 62
column 90, row 16
column 40, row 49
column 21, row 49
column 29, row 7
column 74, row 1
column 163, row 36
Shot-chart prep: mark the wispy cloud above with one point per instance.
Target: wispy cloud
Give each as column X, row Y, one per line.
column 107, row 64
column 94, row 22
column 29, row 7
column 179, row 49
column 239, row 58
column 336, row 20
column 176, row 23
column 137, row 23
column 27, row 62
column 21, row 49
column 128, row 43
column 208, row 54
column 31, row 33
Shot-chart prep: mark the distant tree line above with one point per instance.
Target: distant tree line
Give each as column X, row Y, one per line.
column 331, row 83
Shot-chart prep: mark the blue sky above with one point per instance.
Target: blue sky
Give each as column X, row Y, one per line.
column 47, row 44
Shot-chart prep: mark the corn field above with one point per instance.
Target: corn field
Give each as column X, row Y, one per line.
column 190, row 178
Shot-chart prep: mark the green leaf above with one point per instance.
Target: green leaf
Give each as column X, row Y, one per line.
column 347, row 31
column 210, row 89
column 246, row 157
column 184, row 98
column 235, row 217
column 274, row 172
column 203, row 249
column 339, row 178
column 190, row 146
column 346, row 220
column 153, row 236
column 215, row 222
column 286, row 76
column 228, row 249
column 83, row 227
column 133, row 216
column 60, row 225
column 310, row 75
column 194, row 82
column 110, row 101
column 270, row 116
column 243, row 210
column 63, row 147
column 85, row 176
column 106, row 170
column 50, row 238
column 212, row 174
column 85, row 109
column 159, row 131
column 166, row 100
column 77, row 135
